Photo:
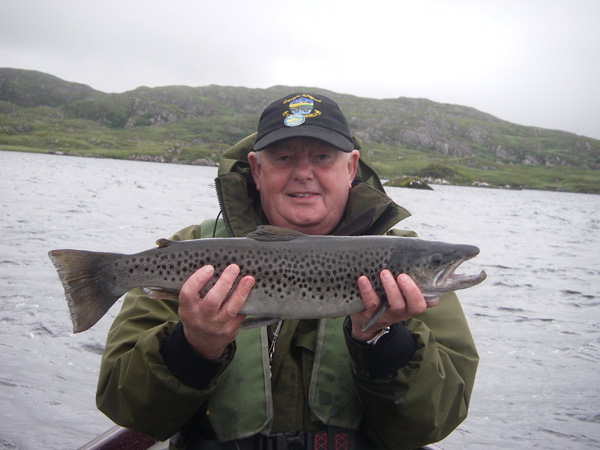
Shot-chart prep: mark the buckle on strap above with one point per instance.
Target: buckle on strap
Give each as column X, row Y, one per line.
column 286, row 441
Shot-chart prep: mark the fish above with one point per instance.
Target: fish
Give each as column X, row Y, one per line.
column 297, row 276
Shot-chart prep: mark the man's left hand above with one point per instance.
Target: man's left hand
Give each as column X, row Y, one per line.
column 404, row 300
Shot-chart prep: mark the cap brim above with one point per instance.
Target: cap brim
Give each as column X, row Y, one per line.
column 331, row 137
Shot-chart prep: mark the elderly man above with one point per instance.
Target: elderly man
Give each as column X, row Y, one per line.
column 184, row 369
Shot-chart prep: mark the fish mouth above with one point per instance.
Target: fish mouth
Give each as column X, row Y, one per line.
column 448, row 280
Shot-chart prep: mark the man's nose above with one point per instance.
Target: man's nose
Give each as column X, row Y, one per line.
column 303, row 169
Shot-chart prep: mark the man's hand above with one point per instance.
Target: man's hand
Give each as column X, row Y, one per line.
column 211, row 323
column 404, row 300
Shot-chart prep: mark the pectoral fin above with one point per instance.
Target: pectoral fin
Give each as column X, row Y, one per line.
column 259, row 321
column 376, row 315
column 157, row 293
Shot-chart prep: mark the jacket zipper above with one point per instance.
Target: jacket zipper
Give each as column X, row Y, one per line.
column 222, row 207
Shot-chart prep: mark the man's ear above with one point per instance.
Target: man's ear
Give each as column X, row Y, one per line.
column 353, row 165
column 255, row 168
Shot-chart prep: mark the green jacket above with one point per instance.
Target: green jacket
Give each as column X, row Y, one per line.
column 319, row 374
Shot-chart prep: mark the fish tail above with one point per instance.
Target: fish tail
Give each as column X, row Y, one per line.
column 81, row 274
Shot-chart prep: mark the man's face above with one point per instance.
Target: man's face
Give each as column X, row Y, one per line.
column 304, row 183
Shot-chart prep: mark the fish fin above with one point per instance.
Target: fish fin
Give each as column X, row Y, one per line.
column 270, row 233
column 158, row 293
column 82, row 275
column 376, row 315
column 259, row 321
column 163, row 243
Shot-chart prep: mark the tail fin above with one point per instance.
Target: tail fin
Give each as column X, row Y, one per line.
column 88, row 294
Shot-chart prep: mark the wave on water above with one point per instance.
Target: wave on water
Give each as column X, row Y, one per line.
column 535, row 320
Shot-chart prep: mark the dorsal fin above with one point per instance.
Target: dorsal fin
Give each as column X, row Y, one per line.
column 163, row 242
column 270, row 233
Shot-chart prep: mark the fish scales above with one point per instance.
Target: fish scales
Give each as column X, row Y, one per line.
column 290, row 276
column 296, row 276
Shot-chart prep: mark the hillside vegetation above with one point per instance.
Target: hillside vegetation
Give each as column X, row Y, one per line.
column 180, row 124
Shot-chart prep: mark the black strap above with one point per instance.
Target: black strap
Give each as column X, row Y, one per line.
column 333, row 438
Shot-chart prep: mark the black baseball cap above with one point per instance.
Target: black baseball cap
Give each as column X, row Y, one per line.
column 304, row 115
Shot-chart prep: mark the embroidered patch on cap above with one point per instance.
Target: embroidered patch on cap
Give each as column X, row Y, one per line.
column 300, row 107
column 294, row 120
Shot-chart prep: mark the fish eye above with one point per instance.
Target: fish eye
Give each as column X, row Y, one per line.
column 436, row 260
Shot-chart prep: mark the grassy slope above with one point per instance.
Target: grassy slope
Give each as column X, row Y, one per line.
column 182, row 124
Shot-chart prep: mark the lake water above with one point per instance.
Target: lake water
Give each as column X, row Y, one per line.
column 536, row 319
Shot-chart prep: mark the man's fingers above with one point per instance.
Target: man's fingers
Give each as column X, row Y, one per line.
column 369, row 296
column 239, row 296
column 219, row 292
column 190, row 291
column 415, row 302
column 212, row 302
column 431, row 303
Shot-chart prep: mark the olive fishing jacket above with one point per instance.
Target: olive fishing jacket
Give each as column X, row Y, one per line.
column 410, row 389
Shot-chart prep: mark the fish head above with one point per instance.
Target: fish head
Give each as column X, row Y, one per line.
column 432, row 265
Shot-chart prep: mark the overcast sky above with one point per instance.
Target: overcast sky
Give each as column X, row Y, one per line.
column 532, row 62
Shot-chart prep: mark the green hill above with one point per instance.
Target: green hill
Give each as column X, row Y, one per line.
column 180, row 124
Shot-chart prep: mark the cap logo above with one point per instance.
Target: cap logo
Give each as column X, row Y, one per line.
column 300, row 107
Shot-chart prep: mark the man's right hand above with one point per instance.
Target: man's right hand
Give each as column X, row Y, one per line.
column 210, row 323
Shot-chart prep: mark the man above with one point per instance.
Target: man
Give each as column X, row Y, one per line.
column 185, row 369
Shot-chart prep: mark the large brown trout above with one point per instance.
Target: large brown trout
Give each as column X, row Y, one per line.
column 297, row 276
